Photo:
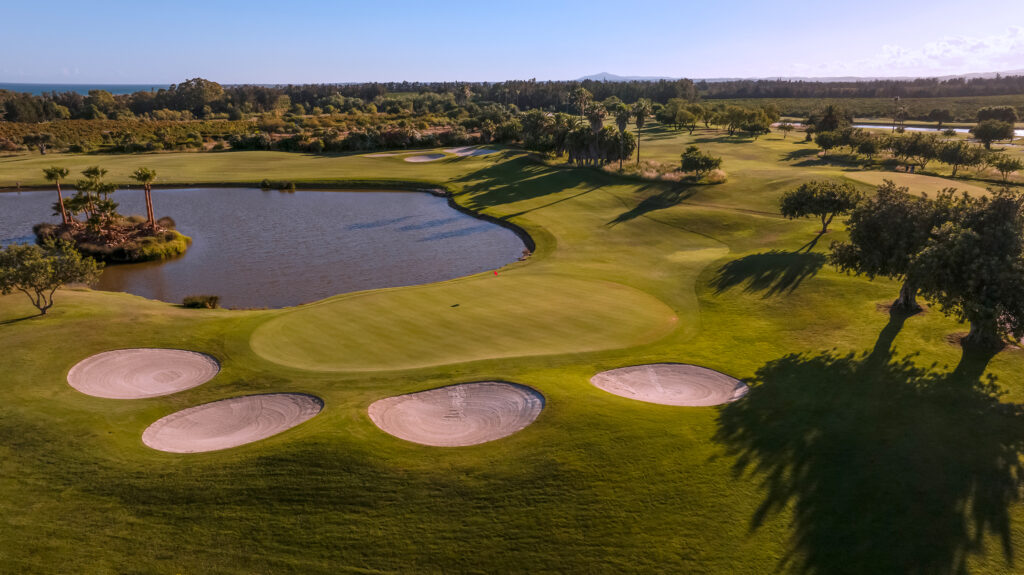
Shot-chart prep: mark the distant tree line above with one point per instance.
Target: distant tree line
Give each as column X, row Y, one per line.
column 917, row 88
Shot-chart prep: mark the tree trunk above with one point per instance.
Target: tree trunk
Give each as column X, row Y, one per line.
column 907, row 301
column 826, row 219
column 149, row 208
column 63, row 212
column 955, row 166
column 984, row 334
column 638, row 128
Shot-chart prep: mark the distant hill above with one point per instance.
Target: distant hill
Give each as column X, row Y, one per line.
column 606, row 77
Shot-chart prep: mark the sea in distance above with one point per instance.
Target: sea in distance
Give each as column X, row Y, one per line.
column 37, row 89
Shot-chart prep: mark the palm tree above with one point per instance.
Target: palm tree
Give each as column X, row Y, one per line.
column 582, row 98
column 622, row 117
column 641, row 109
column 146, row 176
column 55, row 174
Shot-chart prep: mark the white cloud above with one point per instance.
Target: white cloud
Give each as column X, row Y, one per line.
column 950, row 55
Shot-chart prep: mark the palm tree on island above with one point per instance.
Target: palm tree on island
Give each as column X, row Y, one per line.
column 55, row 174
column 146, row 177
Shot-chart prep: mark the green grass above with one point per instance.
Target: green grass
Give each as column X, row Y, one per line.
column 397, row 329
column 832, row 464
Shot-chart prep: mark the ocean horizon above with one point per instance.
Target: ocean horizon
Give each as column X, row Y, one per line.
column 37, row 89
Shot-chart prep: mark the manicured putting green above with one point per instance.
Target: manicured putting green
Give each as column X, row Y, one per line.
column 483, row 318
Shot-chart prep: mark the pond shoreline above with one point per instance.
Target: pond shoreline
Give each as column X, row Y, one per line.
column 344, row 185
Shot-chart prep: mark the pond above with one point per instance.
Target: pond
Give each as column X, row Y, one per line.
column 258, row 248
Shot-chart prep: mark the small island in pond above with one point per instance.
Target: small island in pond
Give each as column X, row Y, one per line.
column 90, row 220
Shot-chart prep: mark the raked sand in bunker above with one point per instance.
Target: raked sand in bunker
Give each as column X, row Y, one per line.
column 458, row 415
column 141, row 373
column 466, row 151
column 230, row 422
column 671, row 384
column 424, row 158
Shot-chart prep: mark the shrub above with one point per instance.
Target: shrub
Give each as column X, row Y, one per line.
column 201, row 301
column 716, row 176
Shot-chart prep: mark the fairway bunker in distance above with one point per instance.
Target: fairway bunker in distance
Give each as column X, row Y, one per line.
column 458, row 415
column 424, row 158
column 671, row 384
column 465, row 151
column 230, row 422
column 141, row 373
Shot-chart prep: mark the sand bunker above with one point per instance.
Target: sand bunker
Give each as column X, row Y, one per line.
column 230, row 422
column 457, row 415
column 465, row 151
column 141, row 373
column 424, row 158
column 384, row 154
column 671, row 384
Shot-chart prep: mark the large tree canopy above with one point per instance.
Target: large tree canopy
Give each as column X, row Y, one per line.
column 973, row 267
column 822, row 198
column 886, row 232
column 38, row 271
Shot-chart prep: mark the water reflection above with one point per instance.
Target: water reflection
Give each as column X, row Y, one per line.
column 275, row 250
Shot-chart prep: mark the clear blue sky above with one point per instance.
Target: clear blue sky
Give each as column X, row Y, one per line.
column 306, row 41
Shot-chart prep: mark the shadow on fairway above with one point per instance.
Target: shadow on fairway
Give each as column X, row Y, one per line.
column 800, row 154
column 659, row 201
column 886, row 466
column 513, row 181
column 773, row 273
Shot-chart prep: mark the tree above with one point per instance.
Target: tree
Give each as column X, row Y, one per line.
column 829, row 119
column 55, row 174
column 40, row 141
column 826, row 141
column 693, row 160
column 1002, row 113
column 972, row 267
column 825, row 199
column 38, row 271
column 622, row 116
column 582, row 98
column 940, row 116
column 785, row 128
column 988, row 131
column 958, row 153
column 1005, row 164
column 146, row 176
column 641, row 110
column 886, row 232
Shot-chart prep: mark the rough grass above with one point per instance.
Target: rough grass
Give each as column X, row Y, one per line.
column 883, row 462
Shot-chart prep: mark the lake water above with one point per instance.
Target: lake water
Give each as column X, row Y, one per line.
column 1019, row 133
column 271, row 249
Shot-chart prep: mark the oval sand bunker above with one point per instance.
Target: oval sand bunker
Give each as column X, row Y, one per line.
column 424, row 158
column 141, row 373
column 671, row 384
column 230, row 422
column 458, row 415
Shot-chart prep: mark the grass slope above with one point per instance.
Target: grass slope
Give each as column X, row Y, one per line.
column 867, row 444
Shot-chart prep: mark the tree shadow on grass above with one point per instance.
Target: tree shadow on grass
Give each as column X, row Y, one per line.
column 887, row 467
column 773, row 273
column 518, row 180
column 800, row 154
column 21, row 319
column 659, row 201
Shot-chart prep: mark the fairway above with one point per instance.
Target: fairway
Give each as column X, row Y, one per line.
column 489, row 317
column 568, row 477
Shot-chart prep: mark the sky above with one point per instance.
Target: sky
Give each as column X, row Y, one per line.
column 305, row 41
